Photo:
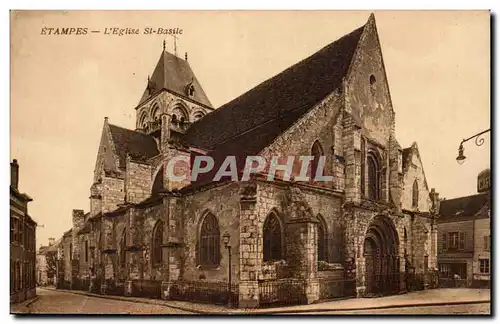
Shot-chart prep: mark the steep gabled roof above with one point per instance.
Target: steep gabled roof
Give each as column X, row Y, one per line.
column 258, row 116
column 138, row 145
column 174, row 74
column 464, row 206
column 407, row 157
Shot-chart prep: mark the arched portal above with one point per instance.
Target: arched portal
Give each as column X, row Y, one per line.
column 381, row 252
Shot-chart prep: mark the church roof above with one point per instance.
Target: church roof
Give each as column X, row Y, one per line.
column 458, row 208
column 174, row 74
column 138, row 145
column 261, row 114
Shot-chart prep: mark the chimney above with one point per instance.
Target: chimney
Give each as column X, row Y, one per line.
column 14, row 174
column 52, row 241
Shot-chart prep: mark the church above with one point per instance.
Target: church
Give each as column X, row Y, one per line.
column 258, row 242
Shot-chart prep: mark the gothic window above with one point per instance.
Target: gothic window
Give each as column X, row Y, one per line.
column 272, row 244
column 363, row 162
column 142, row 121
column 209, row 243
column 373, row 82
column 86, row 251
column 415, row 194
column 179, row 114
column 373, row 177
column 316, row 153
column 157, row 256
column 155, row 112
column 322, row 240
column 123, row 244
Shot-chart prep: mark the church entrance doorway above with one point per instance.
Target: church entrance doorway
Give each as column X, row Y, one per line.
column 381, row 247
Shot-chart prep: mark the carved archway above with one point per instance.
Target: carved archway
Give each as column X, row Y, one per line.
column 381, row 252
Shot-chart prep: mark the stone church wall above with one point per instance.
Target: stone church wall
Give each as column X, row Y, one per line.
column 223, row 202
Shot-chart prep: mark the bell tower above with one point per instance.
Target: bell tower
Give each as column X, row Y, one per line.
column 172, row 100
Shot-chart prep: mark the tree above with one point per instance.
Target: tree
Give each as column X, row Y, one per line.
column 51, row 261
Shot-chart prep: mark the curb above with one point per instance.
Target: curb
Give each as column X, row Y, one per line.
column 280, row 311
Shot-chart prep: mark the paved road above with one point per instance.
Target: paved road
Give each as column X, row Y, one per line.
column 423, row 310
column 56, row 302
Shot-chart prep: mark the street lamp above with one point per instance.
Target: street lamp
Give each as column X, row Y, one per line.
column 479, row 141
column 225, row 239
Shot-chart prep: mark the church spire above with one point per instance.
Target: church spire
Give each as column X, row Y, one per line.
column 164, row 45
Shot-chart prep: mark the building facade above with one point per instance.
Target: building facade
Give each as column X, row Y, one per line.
column 148, row 231
column 46, row 263
column 464, row 239
column 22, row 242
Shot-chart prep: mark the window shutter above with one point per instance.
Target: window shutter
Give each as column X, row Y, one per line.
column 486, row 243
column 461, row 242
column 445, row 242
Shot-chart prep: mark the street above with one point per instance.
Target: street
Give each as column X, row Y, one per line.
column 430, row 302
column 56, row 302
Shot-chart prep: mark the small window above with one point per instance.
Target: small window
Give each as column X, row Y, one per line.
column 484, row 266
column 191, row 90
column 316, row 153
column 373, row 177
column 487, row 239
column 461, row 242
column 372, row 80
column 157, row 243
column 415, row 194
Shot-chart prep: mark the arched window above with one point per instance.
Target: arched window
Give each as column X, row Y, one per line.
column 155, row 112
column 209, row 243
column 157, row 256
column 142, row 121
column 123, row 251
column 415, row 194
column 373, row 178
column 322, row 240
column 272, row 244
column 316, row 153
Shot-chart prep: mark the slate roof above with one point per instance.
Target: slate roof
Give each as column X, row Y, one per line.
column 174, row 74
column 138, row 145
column 463, row 207
column 258, row 116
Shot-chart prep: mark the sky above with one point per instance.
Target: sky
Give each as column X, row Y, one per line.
column 62, row 86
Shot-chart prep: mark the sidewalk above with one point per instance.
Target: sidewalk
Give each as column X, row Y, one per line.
column 22, row 307
column 434, row 297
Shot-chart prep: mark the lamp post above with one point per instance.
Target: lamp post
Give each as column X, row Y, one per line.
column 478, row 140
column 225, row 239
